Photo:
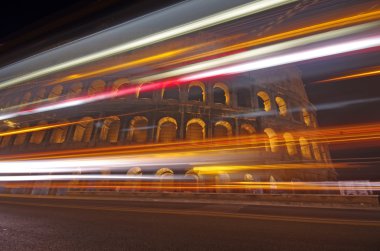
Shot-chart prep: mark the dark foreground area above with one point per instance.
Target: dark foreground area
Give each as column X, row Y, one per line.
column 61, row 224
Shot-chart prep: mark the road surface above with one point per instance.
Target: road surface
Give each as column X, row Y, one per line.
column 61, row 224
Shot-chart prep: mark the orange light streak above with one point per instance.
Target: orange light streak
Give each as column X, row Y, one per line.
column 360, row 18
column 366, row 73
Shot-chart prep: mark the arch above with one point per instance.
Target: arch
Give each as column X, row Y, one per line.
column 272, row 183
column 56, row 91
column 5, row 140
column 58, row 135
column 272, row 137
column 110, row 129
column 26, row 98
column 83, row 130
column 21, row 137
column 38, row 136
column 75, row 90
column 144, row 93
column 264, row 101
column 290, row 144
column 119, row 84
column 221, row 94
column 164, row 172
column 136, row 171
column 281, row 106
column 96, row 86
column 170, row 92
column 243, row 96
column 138, row 131
column 246, row 129
column 305, row 148
column 197, row 91
column 317, row 153
column 306, row 117
column 41, row 93
column 222, row 129
column 195, row 129
column 167, row 129
column 192, row 174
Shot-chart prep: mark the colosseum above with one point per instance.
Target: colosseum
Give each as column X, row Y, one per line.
column 271, row 102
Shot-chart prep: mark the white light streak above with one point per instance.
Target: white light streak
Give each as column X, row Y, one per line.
column 221, row 17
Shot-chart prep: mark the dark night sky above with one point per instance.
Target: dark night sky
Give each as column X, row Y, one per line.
column 19, row 17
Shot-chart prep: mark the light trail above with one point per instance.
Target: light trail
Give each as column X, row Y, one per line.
column 366, row 17
column 319, row 52
column 260, row 52
column 219, row 18
column 366, row 73
column 370, row 16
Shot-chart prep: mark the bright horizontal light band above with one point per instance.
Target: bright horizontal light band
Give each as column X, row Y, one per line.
column 324, row 51
column 222, row 17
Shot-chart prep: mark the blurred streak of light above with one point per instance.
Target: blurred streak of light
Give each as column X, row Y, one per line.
column 366, row 73
column 161, row 183
column 218, row 18
column 289, row 34
column 318, row 107
column 254, row 65
column 285, row 35
column 323, row 135
column 323, row 51
column 262, row 51
column 55, row 125
column 140, row 61
column 117, row 164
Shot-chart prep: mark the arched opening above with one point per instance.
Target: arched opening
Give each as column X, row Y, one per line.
column 272, row 140
column 166, row 177
column 222, row 129
column 138, row 130
column 243, row 96
column 136, row 171
column 305, row 148
column 58, row 135
column 40, row 95
column 197, row 92
column 246, row 129
column 167, row 130
column 195, row 129
column 306, row 117
column 83, row 130
column 281, row 106
column 96, row 87
column 21, row 137
column 272, row 184
column 264, row 101
column 110, row 130
column 38, row 136
column 290, row 144
column 192, row 181
column 170, row 92
column 120, row 84
column 221, row 180
column 75, row 90
column 317, row 153
column 144, row 92
column 221, row 94
column 56, row 91
column 26, row 98
column 5, row 140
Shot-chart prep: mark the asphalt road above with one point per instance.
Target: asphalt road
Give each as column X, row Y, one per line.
column 49, row 224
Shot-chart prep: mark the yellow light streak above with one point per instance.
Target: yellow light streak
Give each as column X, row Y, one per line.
column 209, row 21
column 360, row 18
column 366, row 73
